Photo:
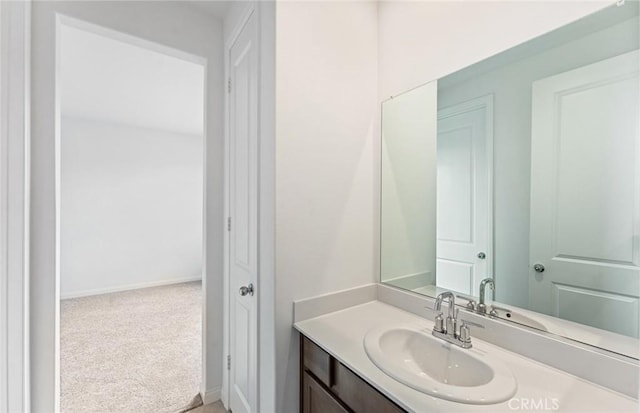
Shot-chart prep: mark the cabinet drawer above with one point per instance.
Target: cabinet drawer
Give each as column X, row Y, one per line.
column 317, row 361
column 318, row 400
column 358, row 394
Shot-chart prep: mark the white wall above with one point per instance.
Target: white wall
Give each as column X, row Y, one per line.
column 511, row 86
column 420, row 41
column 172, row 24
column 131, row 207
column 326, row 134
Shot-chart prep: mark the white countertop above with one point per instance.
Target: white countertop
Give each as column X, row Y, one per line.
column 341, row 333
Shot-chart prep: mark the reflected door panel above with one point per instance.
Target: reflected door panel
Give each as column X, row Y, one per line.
column 463, row 211
column 585, row 195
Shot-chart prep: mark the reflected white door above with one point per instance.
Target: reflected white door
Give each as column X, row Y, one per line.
column 243, row 203
column 585, row 195
column 464, row 195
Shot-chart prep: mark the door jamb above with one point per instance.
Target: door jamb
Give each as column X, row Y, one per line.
column 15, row 111
column 15, row 107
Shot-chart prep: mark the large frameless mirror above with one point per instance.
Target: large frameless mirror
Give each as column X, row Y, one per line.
column 523, row 170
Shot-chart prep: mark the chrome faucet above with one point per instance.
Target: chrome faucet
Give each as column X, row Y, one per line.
column 450, row 333
column 451, row 318
column 482, row 307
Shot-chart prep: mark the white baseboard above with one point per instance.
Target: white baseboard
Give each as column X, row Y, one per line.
column 212, row 395
column 137, row 286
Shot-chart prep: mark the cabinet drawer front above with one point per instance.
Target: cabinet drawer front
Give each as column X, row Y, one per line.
column 358, row 394
column 317, row 361
column 317, row 399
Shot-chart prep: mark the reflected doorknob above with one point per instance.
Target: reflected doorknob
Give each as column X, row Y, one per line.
column 482, row 255
column 246, row 290
column 538, row 267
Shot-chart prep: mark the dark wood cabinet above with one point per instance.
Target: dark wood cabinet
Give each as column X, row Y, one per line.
column 316, row 399
column 328, row 386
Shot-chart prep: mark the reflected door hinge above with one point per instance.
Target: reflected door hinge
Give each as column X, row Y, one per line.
column 229, row 224
column 228, row 362
column 229, row 85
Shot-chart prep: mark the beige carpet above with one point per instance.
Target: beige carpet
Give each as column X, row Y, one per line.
column 134, row 351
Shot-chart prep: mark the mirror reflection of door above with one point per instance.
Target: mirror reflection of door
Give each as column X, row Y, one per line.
column 465, row 145
column 585, row 195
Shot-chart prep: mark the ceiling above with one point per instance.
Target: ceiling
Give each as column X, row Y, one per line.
column 114, row 81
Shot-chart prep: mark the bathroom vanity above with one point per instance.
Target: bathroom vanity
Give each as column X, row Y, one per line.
column 328, row 386
column 338, row 375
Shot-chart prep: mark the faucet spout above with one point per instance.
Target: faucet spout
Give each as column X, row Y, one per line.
column 482, row 307
column 452, row 302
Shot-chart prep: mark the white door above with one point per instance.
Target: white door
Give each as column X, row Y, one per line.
column 464, row 252
column 243, row 207
column 585, row 195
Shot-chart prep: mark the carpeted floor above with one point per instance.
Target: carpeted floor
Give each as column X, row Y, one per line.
column 133, row 351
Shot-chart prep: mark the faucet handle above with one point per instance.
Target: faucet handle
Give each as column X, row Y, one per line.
column 494, row 312
column 465, row 335
column 439, row 321
column 471, row 302
column 439, row 324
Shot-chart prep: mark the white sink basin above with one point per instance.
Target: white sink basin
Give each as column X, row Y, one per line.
column 417, row 359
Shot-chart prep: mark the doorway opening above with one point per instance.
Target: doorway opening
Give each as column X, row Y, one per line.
column 130, row 207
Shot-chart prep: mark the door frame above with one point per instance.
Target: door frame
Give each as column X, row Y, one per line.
column 483, row 102
column 62, row 19
column 246, row 14
column 15, row 103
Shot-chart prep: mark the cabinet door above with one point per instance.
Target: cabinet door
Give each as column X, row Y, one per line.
column 316, row 399
column 358, row 394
